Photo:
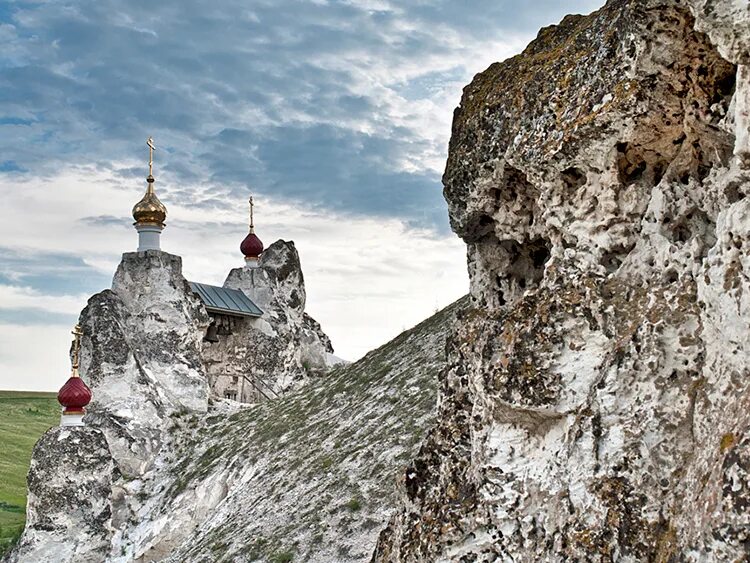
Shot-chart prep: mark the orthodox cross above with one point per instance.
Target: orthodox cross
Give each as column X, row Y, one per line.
column 77, row 333
column 251, row 212
column 151, row 149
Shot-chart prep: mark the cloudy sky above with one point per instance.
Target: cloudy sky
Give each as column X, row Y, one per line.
column 335, row 114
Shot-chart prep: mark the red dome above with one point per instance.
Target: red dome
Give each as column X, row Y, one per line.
column 251, row 246
column 74, row 395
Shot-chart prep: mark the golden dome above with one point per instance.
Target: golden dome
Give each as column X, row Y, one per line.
column 150, row 209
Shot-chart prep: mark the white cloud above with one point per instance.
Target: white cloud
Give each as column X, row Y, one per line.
column 367, row 279
column 338, row 85
column 34, row 358
column 14, row 297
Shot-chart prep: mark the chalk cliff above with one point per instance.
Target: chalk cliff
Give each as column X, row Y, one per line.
column 595, row 407
column 165, row 472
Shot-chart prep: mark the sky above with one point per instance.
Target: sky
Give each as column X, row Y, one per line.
column 335, row 115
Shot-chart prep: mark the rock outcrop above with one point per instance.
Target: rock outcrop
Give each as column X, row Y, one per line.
column 283, row 347
column 69, row 501
column 163, row 472
column 595, row 407
column 141, row 356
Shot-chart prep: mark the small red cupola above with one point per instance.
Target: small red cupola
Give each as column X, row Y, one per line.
column 75, row 394
column 251, row 246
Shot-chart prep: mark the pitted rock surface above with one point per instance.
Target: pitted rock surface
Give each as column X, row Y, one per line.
column 69, row 502
column 595, row 403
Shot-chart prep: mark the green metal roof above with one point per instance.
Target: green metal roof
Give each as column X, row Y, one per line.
column 226, row 301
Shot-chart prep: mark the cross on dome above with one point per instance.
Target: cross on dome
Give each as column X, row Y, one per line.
column 149, row 213
column 251, row 246
column 75, row 394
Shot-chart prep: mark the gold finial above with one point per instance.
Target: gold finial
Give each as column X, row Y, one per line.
column 77, row 334
column 150, row 210
column 151, row 149
column 252, row 227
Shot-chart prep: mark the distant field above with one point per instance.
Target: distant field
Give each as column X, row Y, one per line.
column 24, row 416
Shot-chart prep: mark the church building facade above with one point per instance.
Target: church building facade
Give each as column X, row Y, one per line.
column 259, row 342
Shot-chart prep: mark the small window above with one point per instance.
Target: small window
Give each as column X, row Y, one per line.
column 235, row 378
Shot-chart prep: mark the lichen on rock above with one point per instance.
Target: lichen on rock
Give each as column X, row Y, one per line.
column 585, row 411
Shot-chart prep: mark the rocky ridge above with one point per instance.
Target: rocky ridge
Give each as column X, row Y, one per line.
column 164, row 472
column 595, row 403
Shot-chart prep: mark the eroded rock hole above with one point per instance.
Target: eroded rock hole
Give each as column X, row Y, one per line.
column 695, row 223
column 485, row 221
column 515, row 185
column 671, row 276
column 733, row 192
column 613, row 258
column 636, row 164
column 630, row 164
column 659, row 169
column 499, row 289
column 573, row 178
column 527, row 261
column 681, row 233
column 539, row 256
column 724, row 87
column 480, row 227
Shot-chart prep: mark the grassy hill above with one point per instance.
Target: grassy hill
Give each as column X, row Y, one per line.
column 24, row 416
column 311, row 476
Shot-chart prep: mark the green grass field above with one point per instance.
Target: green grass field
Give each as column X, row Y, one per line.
column 24, row 417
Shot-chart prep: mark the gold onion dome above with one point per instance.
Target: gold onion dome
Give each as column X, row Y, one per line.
column 150, row 209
